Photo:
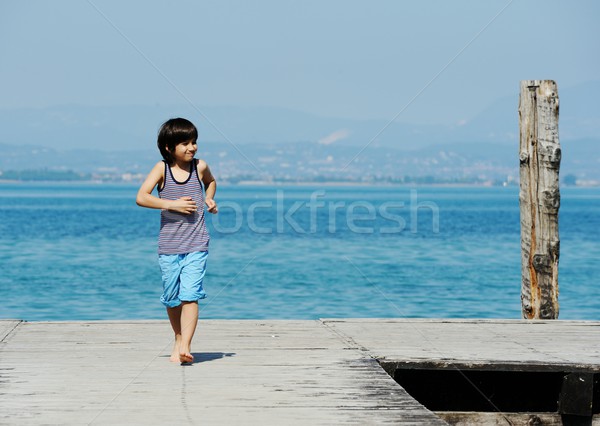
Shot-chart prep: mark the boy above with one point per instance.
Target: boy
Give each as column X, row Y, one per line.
column 183, row 238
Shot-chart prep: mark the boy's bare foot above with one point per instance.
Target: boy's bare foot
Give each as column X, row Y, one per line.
column 186, row 358
column 175, row 352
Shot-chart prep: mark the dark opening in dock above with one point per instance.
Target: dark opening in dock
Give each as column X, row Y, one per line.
column 444, row 388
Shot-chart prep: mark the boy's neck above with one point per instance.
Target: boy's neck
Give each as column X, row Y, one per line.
column 183, row 165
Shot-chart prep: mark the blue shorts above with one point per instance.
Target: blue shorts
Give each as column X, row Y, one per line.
column 182, row 277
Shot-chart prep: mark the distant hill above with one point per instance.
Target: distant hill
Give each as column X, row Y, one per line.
column 282, row 142
column 308, row 160
column 134, row 127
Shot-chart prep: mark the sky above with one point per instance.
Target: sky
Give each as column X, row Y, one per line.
column 426, row 62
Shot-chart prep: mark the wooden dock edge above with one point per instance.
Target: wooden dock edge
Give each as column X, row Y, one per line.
column 267, row 370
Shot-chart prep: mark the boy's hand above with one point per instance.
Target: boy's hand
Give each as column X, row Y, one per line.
column 185, row 205
column 212, row 206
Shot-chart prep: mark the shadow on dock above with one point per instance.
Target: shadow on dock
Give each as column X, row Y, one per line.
column 207, row 356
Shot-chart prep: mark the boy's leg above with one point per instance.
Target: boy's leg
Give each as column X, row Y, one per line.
column 191, row 290
column 175, row 319
column 170, row 265
column 189, row 320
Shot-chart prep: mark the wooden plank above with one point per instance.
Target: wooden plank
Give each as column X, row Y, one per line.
column 260, row 372
column 475, row 343
column 7, row 327
column 249, row 372
column 503, row 419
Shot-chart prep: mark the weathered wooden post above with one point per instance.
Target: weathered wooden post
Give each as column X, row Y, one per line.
column 539, row 198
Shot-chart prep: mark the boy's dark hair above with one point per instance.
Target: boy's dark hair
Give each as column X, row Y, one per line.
column 173, row 132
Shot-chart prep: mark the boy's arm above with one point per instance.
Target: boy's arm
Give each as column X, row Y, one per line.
column 210, row 186
column 185, row 205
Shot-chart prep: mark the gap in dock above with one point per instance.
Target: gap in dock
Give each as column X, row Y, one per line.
column 463, row 394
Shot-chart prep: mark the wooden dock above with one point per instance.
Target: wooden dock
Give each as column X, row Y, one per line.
column 323, row 372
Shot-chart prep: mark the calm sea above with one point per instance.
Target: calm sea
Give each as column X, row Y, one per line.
column 85, row 252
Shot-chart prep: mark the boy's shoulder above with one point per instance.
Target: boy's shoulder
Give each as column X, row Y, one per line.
column 201, row 165
column 159, row 166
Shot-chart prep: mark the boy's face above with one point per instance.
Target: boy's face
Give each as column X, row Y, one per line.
column 185, row 151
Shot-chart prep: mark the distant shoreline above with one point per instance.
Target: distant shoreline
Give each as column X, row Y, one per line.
column 248, row 183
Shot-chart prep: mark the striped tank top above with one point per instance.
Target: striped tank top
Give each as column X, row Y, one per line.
column 182, row 233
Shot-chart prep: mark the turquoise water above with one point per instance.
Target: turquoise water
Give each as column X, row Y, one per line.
column 84, row 251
